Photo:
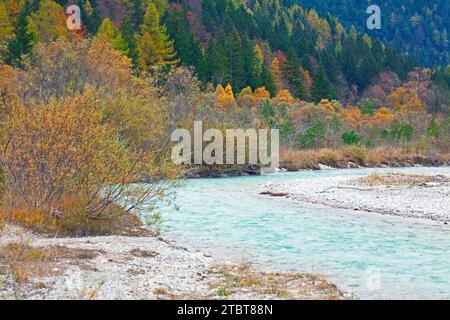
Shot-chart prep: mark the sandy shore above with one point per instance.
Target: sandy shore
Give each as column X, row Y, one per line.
column 120, row 267
column 429, row 200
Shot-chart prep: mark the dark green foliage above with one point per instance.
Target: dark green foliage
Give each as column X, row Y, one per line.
column 268, row 113
column 417, row 27
column 267, row 80
column 350, row 138
column 322, row 88
column 368, row 108
column 23, row 40
column 313, row 137
column 186, row 43
column 129, row 36
column 433, row 130
column 399, row 133
column 217, row 38
column 291, row 73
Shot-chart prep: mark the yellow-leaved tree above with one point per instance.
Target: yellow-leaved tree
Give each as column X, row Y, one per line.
column 275, row 68
column 155, row 49
column 48, row 23
column 225, row 97
column 6, row 30
column 284, row 97
column 111, row 34
column 77, row 130
column 406, row 100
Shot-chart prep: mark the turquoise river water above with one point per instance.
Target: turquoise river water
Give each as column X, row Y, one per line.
column 370, row 255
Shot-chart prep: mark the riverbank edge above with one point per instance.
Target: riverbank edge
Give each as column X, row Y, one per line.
column 349, row 158
column 145, row 267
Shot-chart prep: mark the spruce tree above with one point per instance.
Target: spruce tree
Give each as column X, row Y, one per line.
column 185, row 41
column 216, row 68
column 89, row 16
column 235, row 60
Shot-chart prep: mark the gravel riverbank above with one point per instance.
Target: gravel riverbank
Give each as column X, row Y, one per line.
column 118, row 267
column 421, row 196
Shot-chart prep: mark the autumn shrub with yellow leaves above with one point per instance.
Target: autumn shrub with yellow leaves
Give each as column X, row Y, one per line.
column 72, row 150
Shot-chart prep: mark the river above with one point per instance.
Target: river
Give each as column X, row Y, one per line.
column 370, row 255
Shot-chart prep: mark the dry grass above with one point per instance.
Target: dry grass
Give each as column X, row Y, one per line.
column 400, row 179
column 30, row 261
column 22, row 262
column 241, row 279
column 161, row 291
column 74, row 224
column 144, row 253
column 91, row 293
column 294, row 159
column 23, row 265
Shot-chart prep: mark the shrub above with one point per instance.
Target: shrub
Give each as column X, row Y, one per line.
column 313, row 137
column 77, row 130
column 268, row 112
column 368, row 108
column 64, row 165
column 433, row 129
column 398, row 133
column 350, row 138
column 356, row 154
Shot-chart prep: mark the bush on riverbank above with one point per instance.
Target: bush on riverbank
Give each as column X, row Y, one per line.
column 71, row 151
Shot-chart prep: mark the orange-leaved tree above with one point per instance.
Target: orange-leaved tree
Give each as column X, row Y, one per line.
column 225, row 97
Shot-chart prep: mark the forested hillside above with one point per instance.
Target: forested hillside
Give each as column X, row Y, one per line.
column 86, row 112
column 243, row 43
column 419, row 28
column 259, row 54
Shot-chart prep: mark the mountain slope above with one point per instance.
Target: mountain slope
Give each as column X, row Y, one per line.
column 419, row 28
column 218, row 39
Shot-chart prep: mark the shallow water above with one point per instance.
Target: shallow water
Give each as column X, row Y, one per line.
column 370, row 255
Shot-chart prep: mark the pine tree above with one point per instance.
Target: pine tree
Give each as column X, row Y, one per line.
column 108, row 32
column 235, row 56
column 251, row 74
column 185, row 41
column 89, row 16
column 160, row 5
column 322, row 88
column 216, row 69
column 129, row 36
column 23, row 39
column 292, row 73
column 153, row 45
column 256, row 67
column 267, row 80
column 259, row 59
